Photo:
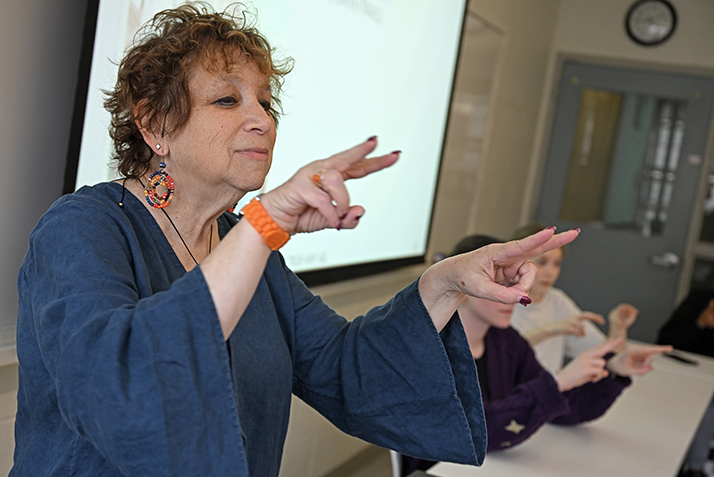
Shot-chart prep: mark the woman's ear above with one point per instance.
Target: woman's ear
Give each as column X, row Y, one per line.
column 156, row 143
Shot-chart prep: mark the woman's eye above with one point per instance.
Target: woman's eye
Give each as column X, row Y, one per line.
column 268, row 107
column 227, row 101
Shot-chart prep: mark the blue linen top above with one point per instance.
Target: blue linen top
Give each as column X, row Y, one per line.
column 124, row 369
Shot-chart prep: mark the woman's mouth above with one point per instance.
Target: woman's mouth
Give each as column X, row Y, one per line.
column 255, row 153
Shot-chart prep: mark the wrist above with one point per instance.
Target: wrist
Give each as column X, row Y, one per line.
column 561, row 383
column 437, row 279
column 273, row 235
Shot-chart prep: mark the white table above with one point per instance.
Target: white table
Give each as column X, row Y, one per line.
column 645, row 433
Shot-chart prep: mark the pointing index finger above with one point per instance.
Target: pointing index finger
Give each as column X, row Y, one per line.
column 538, row 243
column 353, row 163
column 605, row 347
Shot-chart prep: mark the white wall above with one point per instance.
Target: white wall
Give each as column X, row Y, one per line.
column 529, row 27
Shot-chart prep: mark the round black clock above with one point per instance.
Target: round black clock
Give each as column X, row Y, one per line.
column 650, row 22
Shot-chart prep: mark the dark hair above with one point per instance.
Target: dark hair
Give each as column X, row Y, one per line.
column 473, row 242
column 529, row 229
column 526, row 230
column 152, row 83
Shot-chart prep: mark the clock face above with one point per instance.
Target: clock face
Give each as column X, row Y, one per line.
column 650, row 22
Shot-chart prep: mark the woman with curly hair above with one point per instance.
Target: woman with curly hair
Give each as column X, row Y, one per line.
column 159, row 335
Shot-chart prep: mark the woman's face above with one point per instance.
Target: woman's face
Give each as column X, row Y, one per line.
column 489, row 312
column 548, row 265
column 227, row 143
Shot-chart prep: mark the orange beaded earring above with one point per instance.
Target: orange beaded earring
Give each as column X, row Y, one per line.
column 159, row 179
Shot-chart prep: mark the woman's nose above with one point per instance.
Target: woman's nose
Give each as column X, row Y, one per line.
column 259, row 119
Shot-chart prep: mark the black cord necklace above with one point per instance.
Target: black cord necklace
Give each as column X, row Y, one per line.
column 210, row 238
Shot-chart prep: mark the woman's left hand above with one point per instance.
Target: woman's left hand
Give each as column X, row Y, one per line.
column 316, row 198
column 635, row 360
column 499, row 272
column 503, row 272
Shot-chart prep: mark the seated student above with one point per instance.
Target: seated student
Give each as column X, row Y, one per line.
column 553, row 324
column 519, row 395
column 691, row 328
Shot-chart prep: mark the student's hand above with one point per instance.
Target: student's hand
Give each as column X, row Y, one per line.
column 622, row 316
column 587, row 367
column 635, row 360
column 575, row 324
column 706, row 317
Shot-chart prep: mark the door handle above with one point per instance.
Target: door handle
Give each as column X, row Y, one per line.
column 666, row 260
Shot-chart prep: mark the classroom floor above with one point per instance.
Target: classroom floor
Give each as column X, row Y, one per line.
column 373, row 463
column 380, row 466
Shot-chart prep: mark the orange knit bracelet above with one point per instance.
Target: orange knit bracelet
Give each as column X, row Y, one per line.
column 255, row 213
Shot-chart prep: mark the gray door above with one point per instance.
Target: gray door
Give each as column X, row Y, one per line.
column 623, row 165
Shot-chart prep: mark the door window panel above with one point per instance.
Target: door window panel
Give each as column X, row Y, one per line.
column 623, row 166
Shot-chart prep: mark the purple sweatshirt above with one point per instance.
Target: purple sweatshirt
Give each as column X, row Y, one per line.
column 520, row 395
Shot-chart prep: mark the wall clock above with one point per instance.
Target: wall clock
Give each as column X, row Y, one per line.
column 650, row 22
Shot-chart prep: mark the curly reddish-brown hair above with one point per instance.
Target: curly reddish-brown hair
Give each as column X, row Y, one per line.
column 152, row 83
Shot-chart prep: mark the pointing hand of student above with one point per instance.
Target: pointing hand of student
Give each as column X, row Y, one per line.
column 587, row 367
column 575, row 324
column 636, row 360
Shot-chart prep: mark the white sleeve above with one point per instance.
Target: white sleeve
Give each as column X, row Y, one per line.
column 574, row 345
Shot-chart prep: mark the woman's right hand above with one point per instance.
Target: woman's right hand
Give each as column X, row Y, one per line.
column 575, row 324
column 587, row 367
column 316, row 198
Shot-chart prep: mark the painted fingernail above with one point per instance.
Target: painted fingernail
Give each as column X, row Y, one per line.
column 525, row 301
column 552, row 227
column 339, row 226
column 358, row 217
column 577, row 229
column 342, row 217
column 372, row 138
column 396, row 152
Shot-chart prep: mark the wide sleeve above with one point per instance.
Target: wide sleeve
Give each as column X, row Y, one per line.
column 390, row 378
column 141, row 373
column 533, row 400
